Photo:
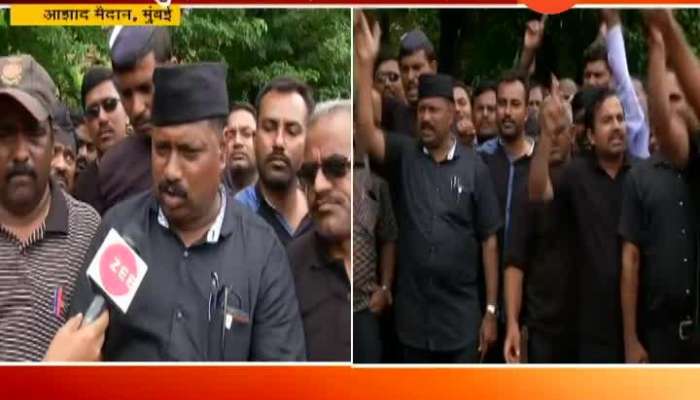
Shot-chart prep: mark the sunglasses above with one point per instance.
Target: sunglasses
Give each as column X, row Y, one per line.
column 333, row 167
column 109, row 104
column 387, row 77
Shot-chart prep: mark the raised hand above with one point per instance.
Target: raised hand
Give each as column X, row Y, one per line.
column 367, row 41
column 534, row 30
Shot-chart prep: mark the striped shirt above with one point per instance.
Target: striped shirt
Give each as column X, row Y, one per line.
column 37, row 278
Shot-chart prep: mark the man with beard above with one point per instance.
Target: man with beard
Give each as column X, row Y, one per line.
column 198, row 243
column 239, row 133
column 320, row 258
column 416, row 57
column 136, row 51
column 63, row 166
column 106, row 122
column 283, row 106
column 485, row 112
column 508, row 159
column 447, row 215
column 86, row 149
column 44, row 233
column 590, row 195
column 463, row 105
column 537, row 282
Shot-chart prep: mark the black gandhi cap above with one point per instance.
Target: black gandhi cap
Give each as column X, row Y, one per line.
column 189, row 93
column 435, row 85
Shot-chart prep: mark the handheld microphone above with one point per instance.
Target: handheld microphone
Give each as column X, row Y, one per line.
column 97, row 306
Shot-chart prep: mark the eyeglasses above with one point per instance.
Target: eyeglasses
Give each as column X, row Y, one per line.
column 109, row 104
column 333, row 167
column 386, row 77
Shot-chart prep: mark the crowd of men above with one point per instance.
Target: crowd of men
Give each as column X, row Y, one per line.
column 241, row 213
column 522, row 221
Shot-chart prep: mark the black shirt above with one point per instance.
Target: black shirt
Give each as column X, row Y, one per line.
column 445, row 211
column 398, row 117
column 591, row 202
column 323, row 289
column 539, row 246
column 168, row 319
column 87, row 187
column 125, row 170
column 657, row 216
column 253, row 198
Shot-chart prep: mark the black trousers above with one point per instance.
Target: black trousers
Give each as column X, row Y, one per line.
column 468, row 354
column 366, row 337
column 592, row 351
column 543, row 347
column 664, row 345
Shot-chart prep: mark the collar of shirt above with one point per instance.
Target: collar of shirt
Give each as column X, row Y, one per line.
column 627, row 161
column 262, row 201
column 215, row 231
column 528, row 152
column 450, row 153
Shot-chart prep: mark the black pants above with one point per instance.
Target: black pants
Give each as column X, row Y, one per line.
column 367, row 337
column 550, row 348
column 664, row 345
column 592, row 351
column 467, row 354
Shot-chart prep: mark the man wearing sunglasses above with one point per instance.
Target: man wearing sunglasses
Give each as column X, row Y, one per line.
column 218, row 285
column 135, row 51
column 320, row 258
column 106, row 122
column 387, row 79
column 448, row 218
column 284, row 106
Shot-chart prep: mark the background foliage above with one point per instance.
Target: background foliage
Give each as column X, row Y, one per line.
column 478, row 44
column 257, row 44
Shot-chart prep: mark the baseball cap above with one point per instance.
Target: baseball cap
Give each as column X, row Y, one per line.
column 28, row 83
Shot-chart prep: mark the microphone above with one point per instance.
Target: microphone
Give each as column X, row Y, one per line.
column 117, row 270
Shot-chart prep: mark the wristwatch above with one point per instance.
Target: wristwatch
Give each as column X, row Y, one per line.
column 491, row 309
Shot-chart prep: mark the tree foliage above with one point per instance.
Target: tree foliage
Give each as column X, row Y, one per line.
column 477, row 44
column 257, row 44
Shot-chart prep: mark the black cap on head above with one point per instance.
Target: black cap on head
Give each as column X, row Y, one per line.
column 63, row 130
column 94, row 77
column 435, row 85
column 413, row 41
column 130, row 44
column 189, row 93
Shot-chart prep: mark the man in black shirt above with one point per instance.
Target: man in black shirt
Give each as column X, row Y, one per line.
column 136, row 52
column 590, row 197
column 218, row 285
column 106, row 122
column 659, row 253
column 538, row 273
column 447, row 213
column 320, row 258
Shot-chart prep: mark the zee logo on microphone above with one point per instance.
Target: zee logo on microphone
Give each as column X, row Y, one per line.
column 117, row 270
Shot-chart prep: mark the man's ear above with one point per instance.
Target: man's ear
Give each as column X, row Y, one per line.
column 434, row 66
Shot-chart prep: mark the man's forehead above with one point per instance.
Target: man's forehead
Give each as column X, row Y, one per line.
column 331, row 134
column 417, row 57
column 193, row 132
column 288, row 106
column 389, row 65
column 104, row 89
column 241, row 117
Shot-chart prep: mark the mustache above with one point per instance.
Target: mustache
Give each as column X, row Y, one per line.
column 328, row 197
column 172, row 189
column 278, row 157
column 426, row 125
column 20, row 169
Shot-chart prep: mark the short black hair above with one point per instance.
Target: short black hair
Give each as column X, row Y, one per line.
column 464, row 86
column 158, row 42
column 93, row 78
column 515, row 75
column 428, row 50
column 384, row 56
column 288, row 85
column 77, row 117
column 243, row 106
column 597, row 51
column 597, row 99
column 483, row 87
column 217, row 124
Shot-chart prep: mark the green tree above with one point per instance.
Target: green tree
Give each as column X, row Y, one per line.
column 313, row 45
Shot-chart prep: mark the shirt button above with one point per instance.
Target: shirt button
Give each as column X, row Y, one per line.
column 685, row 260
column 687, row 292
column 683, row 231
column 680, row 203
column 186, row 254
column 178, row 314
